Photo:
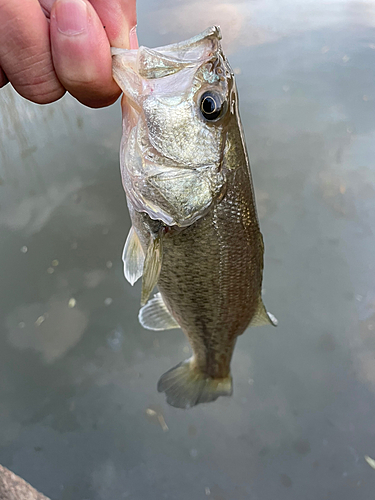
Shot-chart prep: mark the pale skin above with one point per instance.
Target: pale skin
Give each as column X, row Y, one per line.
column 49, row 47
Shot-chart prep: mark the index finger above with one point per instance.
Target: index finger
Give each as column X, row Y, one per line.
column 81, row 47
column 119, row 20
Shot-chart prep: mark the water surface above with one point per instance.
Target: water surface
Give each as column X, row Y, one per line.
column 80, row 417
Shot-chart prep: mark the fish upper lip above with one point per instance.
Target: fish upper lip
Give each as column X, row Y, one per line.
column 176, row 50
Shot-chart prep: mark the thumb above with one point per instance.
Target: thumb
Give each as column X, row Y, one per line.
column 81, row 53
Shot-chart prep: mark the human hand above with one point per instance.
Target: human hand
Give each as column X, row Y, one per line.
column 48, row 47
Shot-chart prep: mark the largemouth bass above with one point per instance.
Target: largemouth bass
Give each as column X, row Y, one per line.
column 195, row 231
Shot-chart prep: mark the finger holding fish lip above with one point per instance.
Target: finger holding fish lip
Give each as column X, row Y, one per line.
column 81, row 35
column 81, row 52
column 119, row 20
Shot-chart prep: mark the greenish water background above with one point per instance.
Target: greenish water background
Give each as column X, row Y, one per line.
column 80, row 417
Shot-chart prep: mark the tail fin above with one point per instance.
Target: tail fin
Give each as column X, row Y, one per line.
column 186, row 386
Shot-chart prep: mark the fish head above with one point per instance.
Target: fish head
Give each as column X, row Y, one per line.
column 176, row 107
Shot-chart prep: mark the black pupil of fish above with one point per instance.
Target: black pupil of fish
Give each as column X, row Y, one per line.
column 210, row 106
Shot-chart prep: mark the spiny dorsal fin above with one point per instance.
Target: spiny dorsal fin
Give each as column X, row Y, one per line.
column 262, row 317
column 151, row 268
column 155, row 315
column 133, row 257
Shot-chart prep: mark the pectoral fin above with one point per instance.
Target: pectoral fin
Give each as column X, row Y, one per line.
column 133, row 257
column 155, row 315
column 151, row 268
column 262, row 317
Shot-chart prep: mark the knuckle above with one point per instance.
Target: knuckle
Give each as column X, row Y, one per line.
column 35, row 79
column 45, row 96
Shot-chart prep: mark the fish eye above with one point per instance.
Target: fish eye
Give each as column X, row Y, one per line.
column 211, row 105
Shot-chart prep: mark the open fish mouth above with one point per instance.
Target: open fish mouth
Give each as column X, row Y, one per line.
column 166, row 60
column 174, row 108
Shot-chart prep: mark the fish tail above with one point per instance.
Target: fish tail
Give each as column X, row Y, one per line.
column 186, row 385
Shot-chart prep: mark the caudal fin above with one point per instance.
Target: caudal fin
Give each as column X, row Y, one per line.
column 186, row 386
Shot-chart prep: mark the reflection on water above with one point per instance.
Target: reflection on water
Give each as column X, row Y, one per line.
column 255, row 22
column 51, row 329
column 80, row 417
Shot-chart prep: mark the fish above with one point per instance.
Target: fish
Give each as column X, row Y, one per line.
column 195, row 231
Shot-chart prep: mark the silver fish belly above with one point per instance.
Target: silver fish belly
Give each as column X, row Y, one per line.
column 195, row 231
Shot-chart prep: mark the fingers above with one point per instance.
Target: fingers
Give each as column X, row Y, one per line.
column 77, row 57
column 118, row 20
column 3, row 78
column 25, row 53
column 46, row 6
column 81, row 47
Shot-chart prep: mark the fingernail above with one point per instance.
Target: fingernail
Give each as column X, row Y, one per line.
column 71, row 16
column 133, row 40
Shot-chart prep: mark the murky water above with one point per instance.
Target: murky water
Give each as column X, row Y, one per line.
column 80, row 417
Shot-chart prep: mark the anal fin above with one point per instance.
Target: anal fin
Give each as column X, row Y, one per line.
column 263, row 317
column 133, row 257
column 155, row 315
